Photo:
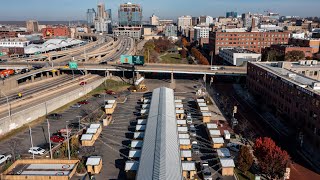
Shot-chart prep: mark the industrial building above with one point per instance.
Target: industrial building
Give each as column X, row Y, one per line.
column 237, row 56
column 51, row 32
column 291, row 95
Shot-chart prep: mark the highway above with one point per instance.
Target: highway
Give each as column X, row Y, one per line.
column 41, row 86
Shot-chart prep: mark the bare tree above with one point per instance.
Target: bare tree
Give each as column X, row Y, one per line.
column 13, row 145
column 243, row 125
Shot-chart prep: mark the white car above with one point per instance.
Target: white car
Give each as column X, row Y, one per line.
column 193, row 130
column 4, row 158
column 37, row 150
column 189, row 118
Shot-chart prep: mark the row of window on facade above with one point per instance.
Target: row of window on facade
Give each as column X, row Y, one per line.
column 252, row 35
column 258, row 43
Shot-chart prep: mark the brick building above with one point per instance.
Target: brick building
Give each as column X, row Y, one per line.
column 49, row 32
column 253, row 41
column 306, row 42
column 283, row 49
column 294, row 97
column 11, row 34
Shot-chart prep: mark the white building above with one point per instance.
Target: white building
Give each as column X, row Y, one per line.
column 14, row 42
column 154, row 20
column 237, row 56
column 201, row 32
column 184, row 22
column 297, row 35
column 209, row 20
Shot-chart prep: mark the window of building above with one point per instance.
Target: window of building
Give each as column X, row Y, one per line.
column 315, row 73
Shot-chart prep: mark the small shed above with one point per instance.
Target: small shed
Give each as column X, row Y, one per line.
column 212, row 126
column 94, row 164
column 178, row 101
column 179, row 106
column 185, row 144
column 184, row 136
column 188, row 169
column 146, row 101
column 137, row 144
column 223, row 152
column 96, row 126
column 227, row 166
column 107, row 120
column 182, row 129
column 144, row 111
column 145, row 106
column 186, row 155
column 200, row 101
column 138, row 135
column 206, row 117
column 140, row 127
column 131, row 169
column 217, row 142
column 202, row 105
column 142, row 121
column 110, row 107
column 180, row 114
column 135, row 153
column 87, row 140
column 181, row 122
column 226, row 134
column 214, row 133
column 204, row 109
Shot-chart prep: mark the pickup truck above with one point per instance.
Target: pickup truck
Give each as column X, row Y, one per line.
column 4, row 158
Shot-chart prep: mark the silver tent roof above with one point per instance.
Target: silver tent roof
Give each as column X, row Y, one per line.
column 160, row 156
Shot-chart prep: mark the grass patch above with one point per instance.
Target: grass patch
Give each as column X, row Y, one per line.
column 244, row 176
column 172, row 58
column 110, row 84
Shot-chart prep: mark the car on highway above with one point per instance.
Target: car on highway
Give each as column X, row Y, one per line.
column 110, row 92
column 76, row 106
column 3, row 60
column 54, row 116
column 4, row 158
column 83, row 102
column 24, row 71
column 36, row 150
column 56, row 139
column 103, row 62
column 82, row 83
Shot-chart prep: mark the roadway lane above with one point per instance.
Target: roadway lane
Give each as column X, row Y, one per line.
column 37, row 88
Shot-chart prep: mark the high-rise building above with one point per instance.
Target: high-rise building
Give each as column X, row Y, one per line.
column 154, row 20
column 202, row 19
column 130, row 15
column 170, row 30
column 195, row 21
column 209, row 20
column 32, row 26
column 91, row 15
column 231, row 14
column 201, row 32
column 184, row 22
column 102, row 21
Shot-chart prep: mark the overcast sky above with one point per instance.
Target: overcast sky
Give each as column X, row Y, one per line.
column 76, row 9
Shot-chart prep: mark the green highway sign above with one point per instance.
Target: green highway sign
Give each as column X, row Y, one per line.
column 1, row 53
column 36, row 53
column 73, row 65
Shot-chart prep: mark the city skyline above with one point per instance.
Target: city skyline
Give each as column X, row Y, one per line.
column 76, row 10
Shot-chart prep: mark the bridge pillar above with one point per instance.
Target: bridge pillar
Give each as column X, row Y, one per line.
column 138, row 75
column 48, row 74
column 85, row 72
column 99, row 57
column 32, row 78
column 41, row 76
column 172, row 79
column 91, row 38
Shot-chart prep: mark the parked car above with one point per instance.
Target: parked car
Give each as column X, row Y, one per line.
column 54, row 116
column 82, row 83
column 195, row 147
column 206, row 171
column 83, row 102
column 193, row 130
column 110, row 92
column 4, row 158
column 97, row 95
column 76, row 106
column 234, row 147
column 36, row 150
column 56, row 139
column 189, row 118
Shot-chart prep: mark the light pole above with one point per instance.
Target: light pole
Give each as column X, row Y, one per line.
column 48, row 124
column 68, row 139
column 79, row 119
column 31, row 142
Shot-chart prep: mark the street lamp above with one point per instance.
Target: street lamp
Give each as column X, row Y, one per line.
column 68, row 139
column 79, row 119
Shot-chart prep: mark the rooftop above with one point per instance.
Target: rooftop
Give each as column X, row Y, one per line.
column 160, row 156
column 93, row 160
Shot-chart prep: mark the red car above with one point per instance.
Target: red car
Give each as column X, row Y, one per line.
column 83, row 83
column 110, row 92
column 56, row 139
column 83, row 102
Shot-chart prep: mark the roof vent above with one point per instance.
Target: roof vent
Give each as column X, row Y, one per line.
column 292, row 75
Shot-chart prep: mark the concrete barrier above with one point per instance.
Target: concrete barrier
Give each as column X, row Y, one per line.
column 18, row 119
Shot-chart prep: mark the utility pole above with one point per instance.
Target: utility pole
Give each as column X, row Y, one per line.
column 68, row 141
column 31, row 141
column 79, row 119
column 49, row 134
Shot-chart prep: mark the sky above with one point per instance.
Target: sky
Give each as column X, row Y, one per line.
column 68, row 10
